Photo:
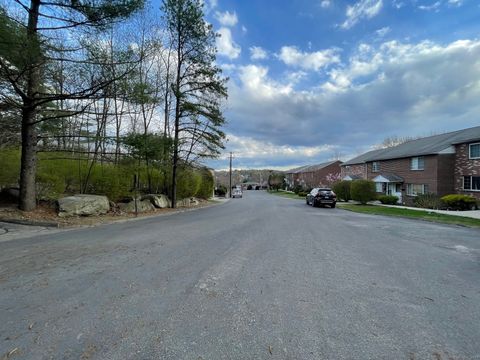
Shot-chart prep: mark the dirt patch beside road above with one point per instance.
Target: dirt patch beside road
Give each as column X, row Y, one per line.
column 46, row 215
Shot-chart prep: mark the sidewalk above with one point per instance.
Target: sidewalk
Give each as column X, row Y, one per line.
column 474, row 214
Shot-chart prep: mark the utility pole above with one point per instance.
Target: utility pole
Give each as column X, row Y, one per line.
column 230, row 190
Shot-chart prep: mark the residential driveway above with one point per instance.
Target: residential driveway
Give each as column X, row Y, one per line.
column 261, row 277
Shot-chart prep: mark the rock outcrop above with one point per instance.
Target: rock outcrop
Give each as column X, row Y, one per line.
column 160, row 201
column 188, row 202
column 142, row 206
column 83, row 205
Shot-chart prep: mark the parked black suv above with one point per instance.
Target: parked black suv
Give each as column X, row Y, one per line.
column 321, row 196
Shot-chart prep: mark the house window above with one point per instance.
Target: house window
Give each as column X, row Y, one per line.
column 379, row 187
column 417, row 163
column 471, row 183
column 416, row 189
column 375, row 166
column 474, row 152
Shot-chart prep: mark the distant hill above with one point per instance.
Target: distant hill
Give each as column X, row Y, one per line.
column 243, row 176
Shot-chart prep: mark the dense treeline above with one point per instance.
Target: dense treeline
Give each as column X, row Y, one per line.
column 97, row 93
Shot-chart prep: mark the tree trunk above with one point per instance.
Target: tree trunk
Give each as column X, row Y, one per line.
column 28, row 167
column 175, row 165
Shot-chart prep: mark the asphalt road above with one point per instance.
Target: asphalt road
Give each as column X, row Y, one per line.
column 261, row 277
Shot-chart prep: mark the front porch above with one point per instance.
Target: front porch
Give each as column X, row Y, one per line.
column 389, row 184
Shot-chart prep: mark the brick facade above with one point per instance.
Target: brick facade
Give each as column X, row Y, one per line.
column 317, row 178
column 464, row 166
column 437, row 173
column 354, row 170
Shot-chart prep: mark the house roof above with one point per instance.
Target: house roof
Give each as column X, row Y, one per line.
column 364, row 157
column 310, row 168
column 425, row 146
column 393, row 178
column 352, row 177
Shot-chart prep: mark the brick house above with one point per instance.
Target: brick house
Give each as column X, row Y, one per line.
column 311, row 176
column 441, row 164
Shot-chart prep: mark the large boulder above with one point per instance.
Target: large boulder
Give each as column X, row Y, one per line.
column 142, row 206
column 187, row 202
column 183, row 203
column 83, row 205
column 160, row 201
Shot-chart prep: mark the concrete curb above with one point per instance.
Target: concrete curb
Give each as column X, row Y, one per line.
column 31, row 222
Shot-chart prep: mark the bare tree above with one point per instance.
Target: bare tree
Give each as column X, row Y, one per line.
column 26, row 61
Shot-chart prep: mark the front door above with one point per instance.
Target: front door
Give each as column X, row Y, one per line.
column 395, row 189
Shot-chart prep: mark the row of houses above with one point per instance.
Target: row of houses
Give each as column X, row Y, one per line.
column 440, row 164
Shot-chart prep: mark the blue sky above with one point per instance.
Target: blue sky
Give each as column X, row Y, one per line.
column 314, row 79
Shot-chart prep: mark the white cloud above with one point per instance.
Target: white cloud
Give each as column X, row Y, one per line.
column 317, row 60
column 383, row 31
column 391, row 89
column 248, row 147
column 432, row 7
column 258, row 53
column 398, row 4
column 363, row 9
column 325, row 3
column 226, row 18
column 455, row 2
column 225, row 44
column 255, row 79
column 209, row 5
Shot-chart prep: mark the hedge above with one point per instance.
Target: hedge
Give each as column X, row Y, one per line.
column 363, row 191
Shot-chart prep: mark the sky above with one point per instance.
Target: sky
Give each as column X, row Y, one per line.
column 314, row 80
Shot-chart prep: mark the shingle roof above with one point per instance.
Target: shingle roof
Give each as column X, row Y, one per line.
column 392, row 177
column 424, row 146
column 310, row 168
column 364, row 157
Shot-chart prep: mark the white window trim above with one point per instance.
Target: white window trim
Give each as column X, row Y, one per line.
column 417, row 157
column 469, row 151
column 409, row 194
column 463, row 185
column 375, row 166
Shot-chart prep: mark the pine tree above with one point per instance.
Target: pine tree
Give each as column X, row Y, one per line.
column 198, row 87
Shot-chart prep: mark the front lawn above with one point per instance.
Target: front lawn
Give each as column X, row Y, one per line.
column 413, row 214
column 287, row 194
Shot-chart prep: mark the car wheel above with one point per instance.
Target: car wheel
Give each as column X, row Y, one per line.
column 333, row 206
column 314, row 203
column 306, row 201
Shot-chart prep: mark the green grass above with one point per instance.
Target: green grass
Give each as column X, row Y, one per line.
column 412, row 214
column 286, row 194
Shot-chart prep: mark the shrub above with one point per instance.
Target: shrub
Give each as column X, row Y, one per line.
column 49, row 186
column 363, row 191
column 428, row 201
column 388, row 199
column 297, row 189
column 342, row 190
column 221, row 190
column 459, row 202
column 205, row 190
